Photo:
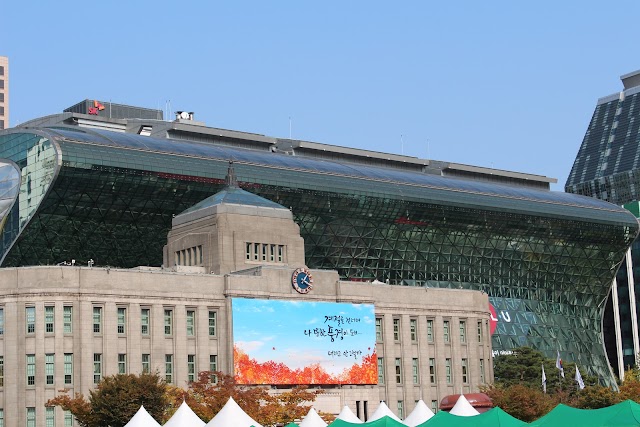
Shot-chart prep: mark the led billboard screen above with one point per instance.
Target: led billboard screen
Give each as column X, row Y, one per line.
column 301, row 342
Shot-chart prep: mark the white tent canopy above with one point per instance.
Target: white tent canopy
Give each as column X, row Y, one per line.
column 312, row 419
column 347, row 415
column 184, row 417
column 232, row 415
column 142, row 419
column 383, row 410
column 420, row 414
column 463, row 408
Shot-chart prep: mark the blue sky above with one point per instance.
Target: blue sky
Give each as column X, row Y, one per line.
column 503, row 84
column 275, row 330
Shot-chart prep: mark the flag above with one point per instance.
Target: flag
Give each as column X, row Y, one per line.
column 579, row 379
column 559, row 365
column 544, row 380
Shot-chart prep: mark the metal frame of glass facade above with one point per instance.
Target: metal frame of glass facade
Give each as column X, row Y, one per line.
column 546, row 259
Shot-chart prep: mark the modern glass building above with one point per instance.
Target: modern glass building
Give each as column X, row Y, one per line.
column 607, row 167
column 546, row 259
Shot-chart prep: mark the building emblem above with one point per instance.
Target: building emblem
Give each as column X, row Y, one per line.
column 301, row 280
column 97, row 107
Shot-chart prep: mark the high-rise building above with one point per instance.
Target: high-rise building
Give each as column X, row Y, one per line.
column 607, row 167
column 4, row 92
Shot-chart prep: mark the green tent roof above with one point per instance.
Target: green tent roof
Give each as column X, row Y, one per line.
column 381, row 422
column 495, row 417
column 623, row 414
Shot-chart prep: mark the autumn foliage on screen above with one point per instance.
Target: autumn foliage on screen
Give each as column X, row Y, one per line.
column 249, row 371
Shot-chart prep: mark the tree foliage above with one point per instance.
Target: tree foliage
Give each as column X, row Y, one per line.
column 521, row 401
column 116, row 399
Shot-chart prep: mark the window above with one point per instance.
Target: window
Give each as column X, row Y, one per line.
column 256, row 251
column 463, row 332
column 248, row 251
column 191, row 323
column 1, row 322
column 1, row 96
column 31, row 417
column 396, row 329
column 379, row 329
column 146, row 363
column 191, row 367
column 413, row 327
column 48, row 318
column 122, row 320
column 434, row 406
column 445, row 331
column 97, row 367
column 1, row 372
column 68, row 368
column 68, row 419
column 380, row 370
column 272, row 253
column 280, row 253
column 1, row 417
column 398, row 370
column 31, row 319
column 31, row 369
column 429, row 330
column 144, row 321
column 168, row 322
column 213, row 366
column 50, row 416
column 447, row 370
column 481, row 371
column 400, row 409
column 67, row 318
column 122, row 363
column 168, row 368
column 97, row 320
column 480, row 332
column 1, row 70
column 415, row 371
column 465, row 371
column 1, row 84
column 432, row 371
column 212, row 323
column 49, row 368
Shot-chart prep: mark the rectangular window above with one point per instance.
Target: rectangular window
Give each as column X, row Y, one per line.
column 396, row 329
column 434, row 406
column 68, row 419
column 67, row 319
column 191, row 367
column 380, row 370
column 122, row 320
column 31, row 417
column 413, row 326
column 415, row 371
column 445, row 331
column 480, row 332
column 31, row 369
column 1, row 321
column 1, row 96
column 256, row 251
column 264, row 252
column 97, row 367
column 191, row 323
column 1, row 417
column 1, row 371
column 146, row 363
column 248, row 251
column 122, row 363
column 144, row 321
column 280, row 253
column 429, row 330
column 168, row 322
column 1, row 70
column 212, row 323
column 432, row 371
column 447, row 370
column 379, row 329
column 272, row 253
column 31, row 319
column 50, row 414
column 97, row 320
column 68, row 368
column 168, row 368
column 481, row 371
column 49, row 368
column 400, row 409
column 213, row 367
column 398, row 370
column 463, row 332
column 465, row 371
column 48, row 318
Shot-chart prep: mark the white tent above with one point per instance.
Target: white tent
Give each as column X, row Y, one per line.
column 232, row 415
column 142, row 419
column 420, row 414
column 383, row 410
column 463, row 408
column 184, row 417
column 312, row 419
column 347, row 415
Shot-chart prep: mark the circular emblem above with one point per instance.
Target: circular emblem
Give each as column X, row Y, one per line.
column 301, row 280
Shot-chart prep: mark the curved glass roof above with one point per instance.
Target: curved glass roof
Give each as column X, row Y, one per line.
column 234, row 196
column 288, row 162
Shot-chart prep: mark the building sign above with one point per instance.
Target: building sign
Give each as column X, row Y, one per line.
column 300, row 342
column 97, row 107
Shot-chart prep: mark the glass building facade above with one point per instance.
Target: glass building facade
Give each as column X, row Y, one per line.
column 545, row 259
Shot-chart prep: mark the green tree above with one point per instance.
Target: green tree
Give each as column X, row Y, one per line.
column 116, row 399
column 596, row 396
column 521, row 401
